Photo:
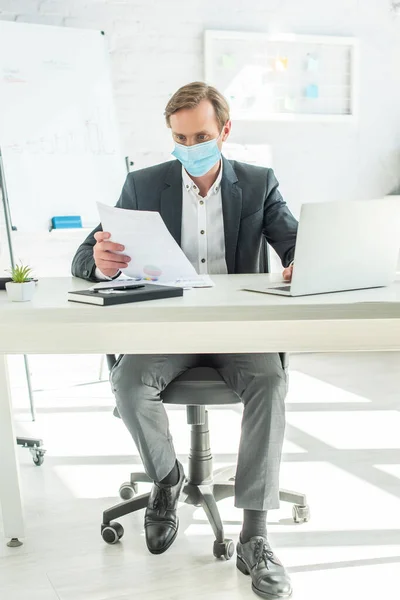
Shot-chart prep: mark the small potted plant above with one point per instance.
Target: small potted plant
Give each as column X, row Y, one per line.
column 22, row 286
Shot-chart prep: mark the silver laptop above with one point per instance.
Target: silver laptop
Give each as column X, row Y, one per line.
column 344, row 246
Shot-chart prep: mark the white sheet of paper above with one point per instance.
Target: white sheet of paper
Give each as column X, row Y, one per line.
column 155, row 255
column 202, row 282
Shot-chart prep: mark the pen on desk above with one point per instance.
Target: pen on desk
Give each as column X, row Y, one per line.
column 119, row 288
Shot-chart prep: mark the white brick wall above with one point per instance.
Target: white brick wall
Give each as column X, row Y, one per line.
column 157, row 45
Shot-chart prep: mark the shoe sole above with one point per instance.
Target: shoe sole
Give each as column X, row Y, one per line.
column 166, row 547
column 241, row 565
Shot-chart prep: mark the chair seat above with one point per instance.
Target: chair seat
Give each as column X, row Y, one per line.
column 201, row 386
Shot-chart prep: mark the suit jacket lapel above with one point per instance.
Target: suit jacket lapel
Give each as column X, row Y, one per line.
column 171, row 201
column 232, row 211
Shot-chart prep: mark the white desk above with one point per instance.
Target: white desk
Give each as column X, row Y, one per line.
column 219, row 319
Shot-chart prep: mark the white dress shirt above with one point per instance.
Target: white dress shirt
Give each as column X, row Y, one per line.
column 202, row 233
column 203, row 237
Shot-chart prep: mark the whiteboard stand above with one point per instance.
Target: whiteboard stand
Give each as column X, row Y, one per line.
column 6, row 209
column 128, row 164
column 7, row 217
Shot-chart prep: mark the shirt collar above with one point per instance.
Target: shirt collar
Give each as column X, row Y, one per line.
column 189, row 183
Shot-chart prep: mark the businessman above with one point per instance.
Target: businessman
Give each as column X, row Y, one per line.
column 218, row 211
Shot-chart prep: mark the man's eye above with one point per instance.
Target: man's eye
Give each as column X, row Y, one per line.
column 202, row 138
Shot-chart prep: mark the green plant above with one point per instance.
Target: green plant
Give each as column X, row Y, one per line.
column 21, row 273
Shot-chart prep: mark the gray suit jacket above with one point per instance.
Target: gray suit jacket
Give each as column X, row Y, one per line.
column 252, row 206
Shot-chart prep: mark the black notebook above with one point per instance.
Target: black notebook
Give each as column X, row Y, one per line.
column 108, row 297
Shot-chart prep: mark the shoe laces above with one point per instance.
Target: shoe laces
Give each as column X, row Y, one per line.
column 263, row 553
column 162, row 500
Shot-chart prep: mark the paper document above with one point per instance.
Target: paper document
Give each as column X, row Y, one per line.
column 122, row 281
column 155, row 255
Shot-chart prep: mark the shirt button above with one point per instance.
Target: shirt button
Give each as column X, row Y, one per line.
column 202, row 202
column 187, row 187
column 216, row 189
column 202, row 232
column 203, row 260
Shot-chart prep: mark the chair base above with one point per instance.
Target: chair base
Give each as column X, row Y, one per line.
column 205, row 495
column 204, row 487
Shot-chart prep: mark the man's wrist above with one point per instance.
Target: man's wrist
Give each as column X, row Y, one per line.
column 101, row 277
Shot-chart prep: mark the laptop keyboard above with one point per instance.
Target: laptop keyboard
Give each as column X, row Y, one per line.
column 283, row 288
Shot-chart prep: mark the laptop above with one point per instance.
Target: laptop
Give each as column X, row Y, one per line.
column 343, row 246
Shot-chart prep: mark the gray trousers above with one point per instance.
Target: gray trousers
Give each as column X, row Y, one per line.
column 259, row 380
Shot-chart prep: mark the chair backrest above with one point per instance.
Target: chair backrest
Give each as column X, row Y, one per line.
column 111, row 360
column 265, row 260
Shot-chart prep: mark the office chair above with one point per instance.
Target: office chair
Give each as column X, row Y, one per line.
column 196, row 389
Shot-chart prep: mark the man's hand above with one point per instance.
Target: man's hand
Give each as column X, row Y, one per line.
column 105, row 257
column 287, row 273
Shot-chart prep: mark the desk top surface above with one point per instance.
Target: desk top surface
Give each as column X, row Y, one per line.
column 227, row 301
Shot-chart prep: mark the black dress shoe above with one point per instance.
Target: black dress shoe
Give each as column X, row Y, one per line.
column 161, row 520
column 268, row 575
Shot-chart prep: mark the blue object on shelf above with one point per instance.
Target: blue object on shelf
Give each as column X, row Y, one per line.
column 66, row 223
column 312, row 91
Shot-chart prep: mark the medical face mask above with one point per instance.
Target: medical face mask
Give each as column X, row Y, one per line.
column 200, row 158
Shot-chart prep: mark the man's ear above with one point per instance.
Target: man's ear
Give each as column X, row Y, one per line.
column 226, row 131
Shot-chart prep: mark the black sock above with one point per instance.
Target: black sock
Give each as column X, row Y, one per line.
column 254, row 523
column 173, row 476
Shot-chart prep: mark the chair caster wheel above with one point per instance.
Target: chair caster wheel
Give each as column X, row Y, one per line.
column 128, row 490
column 37, row 456
column 225, row 549
column 112, row 533
column 301, row 513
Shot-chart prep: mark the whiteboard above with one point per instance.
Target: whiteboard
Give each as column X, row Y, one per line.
column 284, row 77
column 58, row 130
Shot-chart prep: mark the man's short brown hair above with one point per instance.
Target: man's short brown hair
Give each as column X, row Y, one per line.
column 190, row 96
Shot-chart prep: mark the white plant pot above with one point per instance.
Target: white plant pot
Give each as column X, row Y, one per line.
column 20, row 292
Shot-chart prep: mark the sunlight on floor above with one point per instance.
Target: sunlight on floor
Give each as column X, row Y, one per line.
column 341, row 449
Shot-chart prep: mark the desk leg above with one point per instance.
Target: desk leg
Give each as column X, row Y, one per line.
column 10, row 495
